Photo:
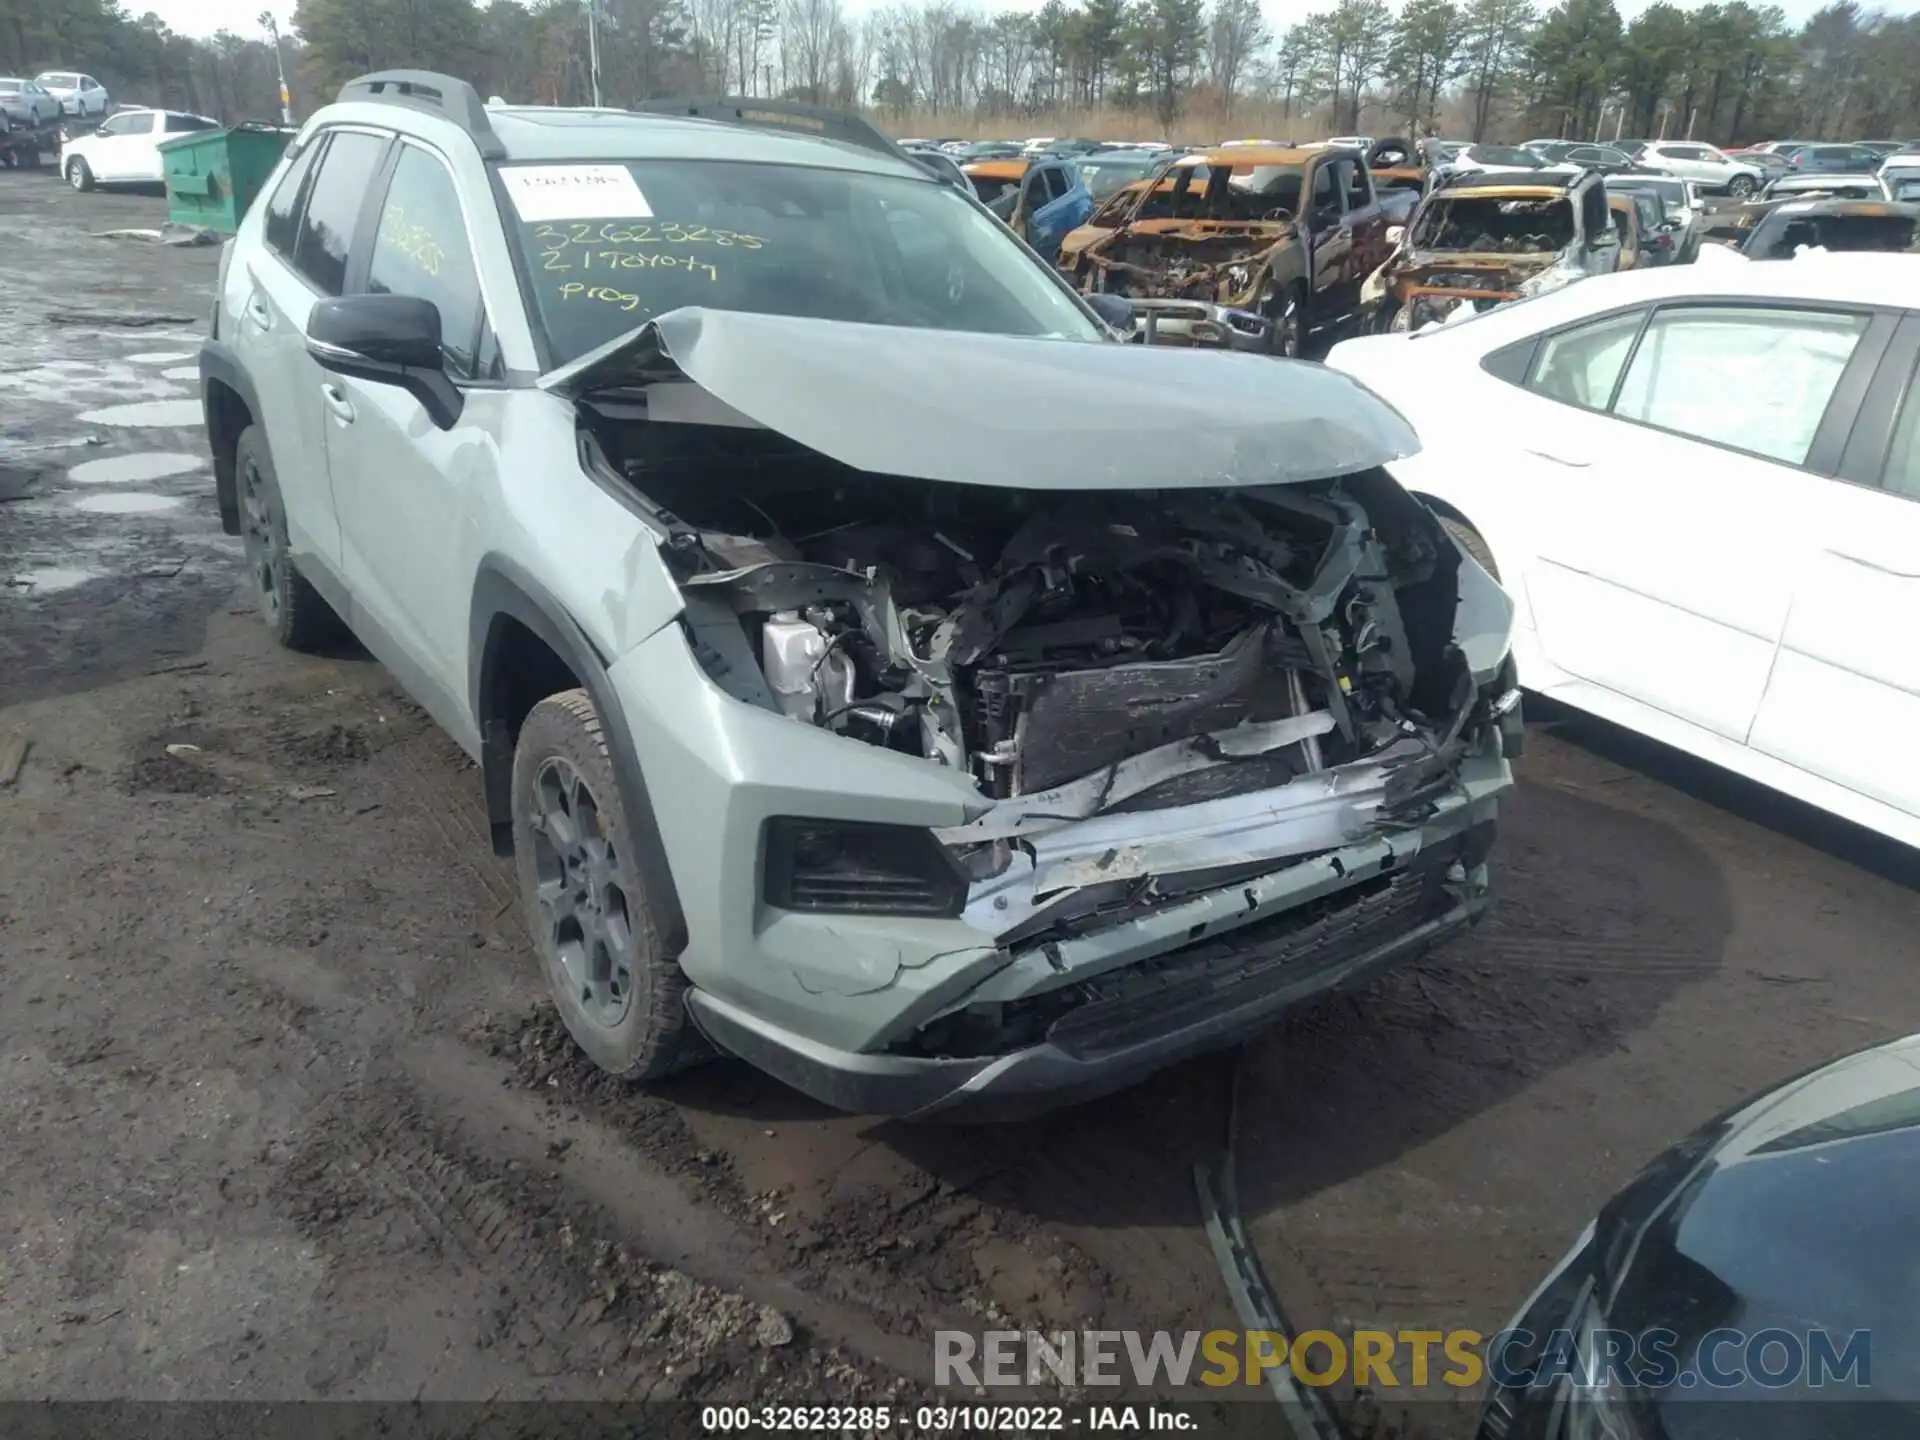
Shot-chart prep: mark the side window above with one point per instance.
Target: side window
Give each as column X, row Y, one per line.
column 1754, row 379
column 1582, row 366
column 183, row 124
column 1053, row 184
column 334, row 198
column 116, row 126
column 1326, row 190
column 421, row 250
column 1903, row 464
column 283, row 209
column 1359, row 186
column 138, row 124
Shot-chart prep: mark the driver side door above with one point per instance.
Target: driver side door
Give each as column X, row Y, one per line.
column 1332, row 248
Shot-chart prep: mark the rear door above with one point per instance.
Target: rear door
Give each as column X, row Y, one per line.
column 309, row 223
column 1697, row 461
column 1844, row 700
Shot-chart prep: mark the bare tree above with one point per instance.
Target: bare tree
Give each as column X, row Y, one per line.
column 1236, row 34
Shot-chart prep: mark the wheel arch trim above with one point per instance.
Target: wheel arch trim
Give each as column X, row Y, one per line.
column 219, row 365
column 503, row 589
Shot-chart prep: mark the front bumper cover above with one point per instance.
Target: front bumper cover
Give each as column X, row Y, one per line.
column 1192, row 1000
column 1201, row 324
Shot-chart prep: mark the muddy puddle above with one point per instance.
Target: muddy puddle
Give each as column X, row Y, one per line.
column 177, row 414
column 134, row 469
column 127, row 503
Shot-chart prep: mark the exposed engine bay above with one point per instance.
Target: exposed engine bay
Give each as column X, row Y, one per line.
column 1485, row 225
column 1223, row 263
column 1179, row 645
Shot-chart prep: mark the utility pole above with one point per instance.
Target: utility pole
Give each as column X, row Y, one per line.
column 593, row 48
column 279, row 65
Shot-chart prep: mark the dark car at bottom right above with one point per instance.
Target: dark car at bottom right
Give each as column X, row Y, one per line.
column 1755, row 1282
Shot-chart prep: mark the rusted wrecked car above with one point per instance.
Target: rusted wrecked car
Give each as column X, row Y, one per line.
column 1251, row 248
column 1482, row 238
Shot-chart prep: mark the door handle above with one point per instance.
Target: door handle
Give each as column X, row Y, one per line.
column 1867, row 564
column 1560, row 459
column 338, row 403
column 258, row 312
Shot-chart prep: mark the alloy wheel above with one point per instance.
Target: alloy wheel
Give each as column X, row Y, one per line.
column 266, row 552
column 584, row 909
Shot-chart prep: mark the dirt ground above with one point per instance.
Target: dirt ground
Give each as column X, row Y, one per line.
column 283, row 1114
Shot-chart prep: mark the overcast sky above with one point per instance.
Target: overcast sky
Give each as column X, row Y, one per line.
column 203, row 17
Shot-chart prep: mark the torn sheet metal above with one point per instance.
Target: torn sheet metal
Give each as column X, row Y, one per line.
column 1312, row 813
column 1305, row 1410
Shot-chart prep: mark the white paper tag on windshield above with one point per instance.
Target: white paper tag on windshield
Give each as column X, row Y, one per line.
column 575, row 192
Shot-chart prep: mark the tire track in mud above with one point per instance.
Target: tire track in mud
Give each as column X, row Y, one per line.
column 570, row 1294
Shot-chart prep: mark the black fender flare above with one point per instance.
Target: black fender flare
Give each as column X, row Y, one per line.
column 219, row 364
column 503, row 589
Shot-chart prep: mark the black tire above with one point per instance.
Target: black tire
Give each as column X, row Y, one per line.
column 1471, row 541
column 619, row 996
column 79, row 174
column 1740, row 187
column 292, row 608
column 1289, row 320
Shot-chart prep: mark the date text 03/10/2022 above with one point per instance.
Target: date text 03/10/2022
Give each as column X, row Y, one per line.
column 944, row 1419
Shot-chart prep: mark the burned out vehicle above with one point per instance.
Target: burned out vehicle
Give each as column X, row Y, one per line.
column 1833, row 225
column 876, row 671
column 1250, row 248
column 1482, row 238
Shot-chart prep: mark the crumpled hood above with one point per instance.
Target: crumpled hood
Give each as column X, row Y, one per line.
column 1011, row 412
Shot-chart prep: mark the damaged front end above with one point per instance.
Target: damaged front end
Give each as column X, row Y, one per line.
column 1198, row 282
column 1474, row 252
column 1233, row 710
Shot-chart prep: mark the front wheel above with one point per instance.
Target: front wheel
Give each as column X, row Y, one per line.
column 1288, row 324
column 619, row 995
column 78, row 175
column 1740, row 187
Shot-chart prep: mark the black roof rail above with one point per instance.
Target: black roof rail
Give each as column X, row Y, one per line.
column 441, row 95
column 818, row 120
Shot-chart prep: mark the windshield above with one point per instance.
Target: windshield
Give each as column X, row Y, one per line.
column 1505, row 156
column 1779, row 235
column 1104, row 176
column 64, row 82
column 1672, row 193
column 605, row 248
column 1218, row 192
column 10, row 86
column 1494, row 226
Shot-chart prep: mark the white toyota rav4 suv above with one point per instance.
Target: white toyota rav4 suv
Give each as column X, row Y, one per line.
column 877, row 671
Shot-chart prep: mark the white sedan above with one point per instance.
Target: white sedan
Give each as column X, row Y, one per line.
column 126, row 149
column 1702, row 485
column 78, row 94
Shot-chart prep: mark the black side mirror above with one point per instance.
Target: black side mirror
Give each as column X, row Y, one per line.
column 1115, row 311
column 390, row 340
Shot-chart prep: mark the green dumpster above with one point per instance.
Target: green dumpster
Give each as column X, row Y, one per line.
column 213, row 175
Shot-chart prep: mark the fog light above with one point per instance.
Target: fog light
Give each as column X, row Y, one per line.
column 854, row 867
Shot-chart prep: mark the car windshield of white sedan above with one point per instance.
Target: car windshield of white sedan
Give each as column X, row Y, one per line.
column 607, row 247
column 1753, row 379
